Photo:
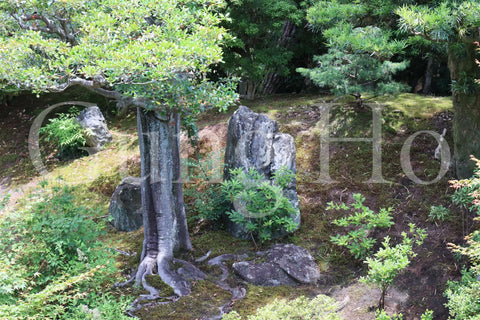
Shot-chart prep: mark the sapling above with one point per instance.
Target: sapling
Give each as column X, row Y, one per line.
column 363, row 219
column 390, row 261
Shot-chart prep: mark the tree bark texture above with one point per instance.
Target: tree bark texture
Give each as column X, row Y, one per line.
column 165, row 227
column 427, row 87
column 466, row 105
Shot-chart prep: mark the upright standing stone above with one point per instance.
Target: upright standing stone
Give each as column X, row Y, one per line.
column 92, row 119
column 253, row 141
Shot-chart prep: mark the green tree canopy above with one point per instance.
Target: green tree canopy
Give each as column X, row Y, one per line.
column 361, row 48
column 455, row 23
column 141, row 53
column 262, row 46
column 152, row 54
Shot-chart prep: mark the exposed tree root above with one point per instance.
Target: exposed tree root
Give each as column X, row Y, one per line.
column 146, row 269
column 136, row 305
column 189, row 271
column 203, row 258
column 238, row 293
column 176, row 280
column 130, row 280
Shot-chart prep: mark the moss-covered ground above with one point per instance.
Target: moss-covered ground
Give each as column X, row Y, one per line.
column 350, row 165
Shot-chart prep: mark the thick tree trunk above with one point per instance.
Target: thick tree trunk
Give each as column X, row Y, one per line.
column 466, row 105
column 248, row 89
column 427, row 87
column 165, row 229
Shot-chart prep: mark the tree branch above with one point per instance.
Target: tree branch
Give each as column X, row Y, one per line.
column 50, row 26
column 424, row 35
column 123, row 101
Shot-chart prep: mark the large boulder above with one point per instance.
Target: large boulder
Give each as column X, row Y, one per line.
column 283, row 264
column 253, row 141
column 126, row 205
column 92, row 119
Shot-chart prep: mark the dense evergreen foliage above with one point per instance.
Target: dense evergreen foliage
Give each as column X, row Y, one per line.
column 268, row 38
column 456, row 24
column 361, row 53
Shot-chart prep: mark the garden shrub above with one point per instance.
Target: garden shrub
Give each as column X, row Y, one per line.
column 463, row 296
column 321, row 307
column 467, row 191
column 362, row 220
column 259, row 203
column 438, row 213
column 382, row 315
column 388, row 262
column 66, row 134
column 203, row 190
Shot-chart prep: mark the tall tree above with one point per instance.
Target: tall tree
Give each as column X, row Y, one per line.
column 262, row 44
column 150, row 54
column 361, row 47
column 456, row 23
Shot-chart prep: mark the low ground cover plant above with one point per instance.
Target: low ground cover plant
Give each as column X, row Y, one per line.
column 51, row 262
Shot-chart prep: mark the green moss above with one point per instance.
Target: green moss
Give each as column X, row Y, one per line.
column 219, row 242
column 156, row 282
column 416, row 106
column 204, row 301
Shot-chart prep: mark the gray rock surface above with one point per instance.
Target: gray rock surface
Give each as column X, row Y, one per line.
column 253, row 141
column 295, row 261
column 285, row 264
column 126, row 205
column 92, row 119
column 262, row 274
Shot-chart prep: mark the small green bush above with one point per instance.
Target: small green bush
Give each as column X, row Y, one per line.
column 390, row 261
column 382, row 315
column 428, row 315
column 463, row 297
column 363, row 220
column 259, row 203
column 319, row 308
column 439, row 213
column 208, row 201
column 67, row 134
column 467, row 191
